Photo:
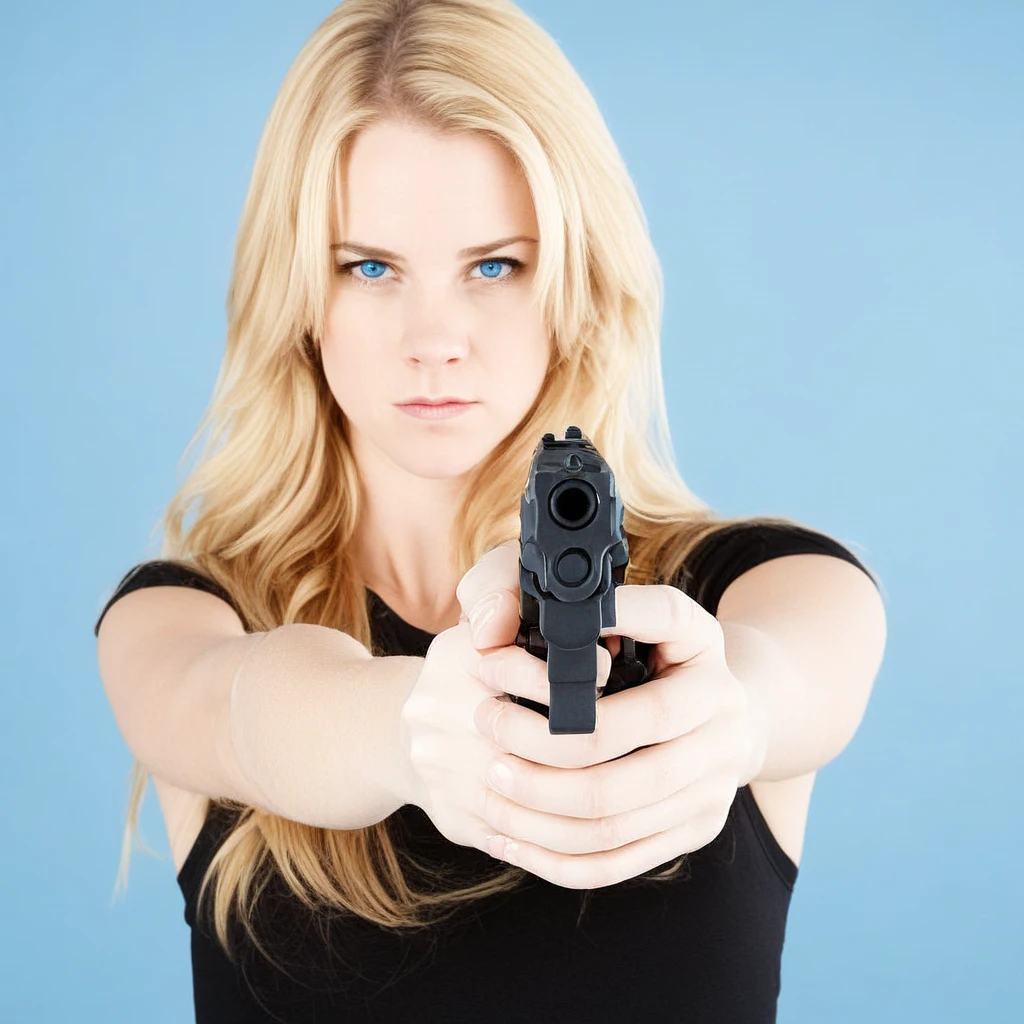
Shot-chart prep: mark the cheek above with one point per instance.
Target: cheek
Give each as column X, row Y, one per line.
column 515, row 362
column 521, row 354
column 350, row 363
column 349, row 369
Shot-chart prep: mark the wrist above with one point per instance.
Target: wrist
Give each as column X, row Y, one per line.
column 749, row 657
column 401, row 780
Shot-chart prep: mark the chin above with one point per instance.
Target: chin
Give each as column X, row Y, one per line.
column 435, row 458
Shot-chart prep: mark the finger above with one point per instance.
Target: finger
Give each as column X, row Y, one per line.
column 661, row 614
column 611, row 789
column 496, row 569
column 583, row 835
column 492, row 585
column 596, row 870
column 511, row 669
column 657, row 712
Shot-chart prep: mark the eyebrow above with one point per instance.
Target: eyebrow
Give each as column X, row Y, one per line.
column 373, row 253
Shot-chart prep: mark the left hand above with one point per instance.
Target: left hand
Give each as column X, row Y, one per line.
column 606, row 820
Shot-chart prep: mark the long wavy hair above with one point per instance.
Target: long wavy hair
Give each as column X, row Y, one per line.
column 275, row 493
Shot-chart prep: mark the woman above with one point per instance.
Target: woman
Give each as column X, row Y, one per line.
column 437, row 212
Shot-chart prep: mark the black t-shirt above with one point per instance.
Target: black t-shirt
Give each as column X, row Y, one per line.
column 705, row 946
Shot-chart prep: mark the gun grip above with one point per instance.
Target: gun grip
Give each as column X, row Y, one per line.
column 572, row 681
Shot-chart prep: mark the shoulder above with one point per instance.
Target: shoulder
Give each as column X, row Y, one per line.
column 726, row 553
column 166, row 573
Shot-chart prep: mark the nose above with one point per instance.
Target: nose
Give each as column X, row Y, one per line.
column 434, row 336
column 434, row 348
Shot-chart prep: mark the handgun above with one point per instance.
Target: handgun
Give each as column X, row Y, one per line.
column 573, row 553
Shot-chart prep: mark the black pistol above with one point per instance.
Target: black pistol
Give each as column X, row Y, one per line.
column 572, row 555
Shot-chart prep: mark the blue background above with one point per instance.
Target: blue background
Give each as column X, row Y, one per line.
column 835, row 192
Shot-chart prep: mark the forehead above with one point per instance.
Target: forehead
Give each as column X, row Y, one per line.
column 403, row 183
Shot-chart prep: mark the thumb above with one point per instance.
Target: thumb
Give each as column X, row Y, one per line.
column 489, row 596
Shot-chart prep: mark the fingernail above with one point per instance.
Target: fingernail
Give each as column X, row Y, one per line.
column 502, row 848
column 481, row 613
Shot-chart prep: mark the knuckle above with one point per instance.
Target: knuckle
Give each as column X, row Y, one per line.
column 665, row 780
column 608, row 832
column 495, row 719
column 680, row 610
column 420, row 751
column 662, row 711
column 592, row 744
column 502, row 559
column 594, row 801
column 463, row 587
column 495, row 810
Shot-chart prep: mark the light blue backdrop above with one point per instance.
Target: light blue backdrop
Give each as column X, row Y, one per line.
column 835, row 192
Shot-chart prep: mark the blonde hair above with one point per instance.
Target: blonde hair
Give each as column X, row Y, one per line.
column 275, row 492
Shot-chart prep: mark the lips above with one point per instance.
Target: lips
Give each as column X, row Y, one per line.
column 437, row 401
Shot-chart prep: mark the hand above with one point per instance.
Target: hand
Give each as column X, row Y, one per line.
column 586, row 811
column 445, row 758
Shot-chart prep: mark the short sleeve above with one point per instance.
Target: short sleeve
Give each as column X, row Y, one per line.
column 165, row 574
column 727, row 553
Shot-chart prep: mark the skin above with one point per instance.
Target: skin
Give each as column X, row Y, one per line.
column 611, row 817
column 432, row 323
column 437, row 325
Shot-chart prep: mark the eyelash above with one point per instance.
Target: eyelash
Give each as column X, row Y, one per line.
column 372, row 282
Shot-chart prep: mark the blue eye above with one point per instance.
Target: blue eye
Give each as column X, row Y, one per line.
column 373, row 270
column 372, row 263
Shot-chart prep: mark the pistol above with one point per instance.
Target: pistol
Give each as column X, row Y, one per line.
column 573, row 553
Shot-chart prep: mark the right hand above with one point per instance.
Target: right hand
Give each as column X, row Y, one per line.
column 446, row 757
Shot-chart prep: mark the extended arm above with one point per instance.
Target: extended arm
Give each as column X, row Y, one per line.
column 805, row 635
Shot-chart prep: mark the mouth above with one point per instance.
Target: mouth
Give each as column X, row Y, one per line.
column 445, row 400
column 435, row 410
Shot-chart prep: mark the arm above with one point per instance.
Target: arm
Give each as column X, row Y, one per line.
column 300, row 720
column 314, row 726
column 805, row 635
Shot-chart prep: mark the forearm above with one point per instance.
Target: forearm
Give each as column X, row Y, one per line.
column 792, row 732
column 314, row 726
